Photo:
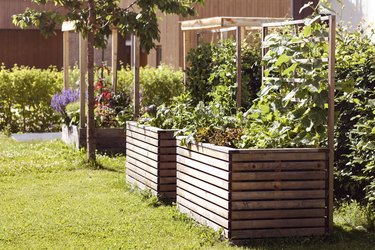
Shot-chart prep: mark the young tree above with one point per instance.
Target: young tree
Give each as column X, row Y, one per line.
column 95, row 19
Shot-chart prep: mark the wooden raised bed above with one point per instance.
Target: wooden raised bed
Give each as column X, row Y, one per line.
column 254, row 193
column 151, row 159
column 108, row 140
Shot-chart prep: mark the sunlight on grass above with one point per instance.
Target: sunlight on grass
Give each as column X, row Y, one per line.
column 51, row 198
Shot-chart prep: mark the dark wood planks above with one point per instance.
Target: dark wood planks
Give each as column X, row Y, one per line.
column 108, row 140
column 151, row 159
column 254, row 193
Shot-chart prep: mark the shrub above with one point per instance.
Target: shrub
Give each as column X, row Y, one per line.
column 25, row 96
column 210, row 65
column 355, row 133
column 157, row 85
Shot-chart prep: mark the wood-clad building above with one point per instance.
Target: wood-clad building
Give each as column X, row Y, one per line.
column 169, row 50
column 26, row 47
column 29, row 47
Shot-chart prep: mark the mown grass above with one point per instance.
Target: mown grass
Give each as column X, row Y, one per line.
column 51, row 199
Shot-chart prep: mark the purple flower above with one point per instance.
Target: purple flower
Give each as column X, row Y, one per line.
column 61, row 100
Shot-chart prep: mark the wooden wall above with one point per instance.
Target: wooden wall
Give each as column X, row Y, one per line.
column 26, row 47
column 30, row 48
column 11, row 7
column 171, row 37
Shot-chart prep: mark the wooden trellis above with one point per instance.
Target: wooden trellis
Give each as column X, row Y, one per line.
column 223, row 25
column 331, row 21
column 69, row 27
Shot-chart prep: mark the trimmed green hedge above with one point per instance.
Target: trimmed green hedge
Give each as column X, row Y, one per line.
column 26, row 93
column 25, row 97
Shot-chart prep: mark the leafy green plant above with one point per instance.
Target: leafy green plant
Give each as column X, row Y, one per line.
column 355, row 103
column 210, row 65
column 291, row 113
column 25, row 97
column 157, row 85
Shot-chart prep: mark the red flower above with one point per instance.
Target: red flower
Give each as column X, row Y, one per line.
column 98, row 85
column 107, row 95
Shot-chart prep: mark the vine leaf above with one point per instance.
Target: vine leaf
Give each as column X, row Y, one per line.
column 282, row 59
column 290, row 69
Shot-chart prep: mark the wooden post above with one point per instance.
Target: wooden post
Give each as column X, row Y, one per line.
column 264, row 34
column 66, row 58
column 114, row 58
column 238, row 64
column 82, row 84
column 186, row 46
column 331, row 116
column 136, row 62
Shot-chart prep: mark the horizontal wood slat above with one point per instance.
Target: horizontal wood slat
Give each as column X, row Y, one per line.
column 281, row 204
column 203, row 194
column 109, row 140
column 203, row 158
column 142, row 172
column 142, row 158
column 204, row 177
column 160, row 135
column 152, row 141
column 203, row 203
column 141, row 179
column 278, row 185
column 203, row 185
column 206, row 168
column 142, row 144
column 142, row 165
column 269, row 195
column 203, row 212
column 199, row 218
column 282, row 166
column 280, row 156
column 278, row 223
column 321, row 175
column 143, row 152
column 150, row 158
column 278, row 214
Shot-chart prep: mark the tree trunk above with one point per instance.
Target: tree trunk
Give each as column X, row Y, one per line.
column 91, row 140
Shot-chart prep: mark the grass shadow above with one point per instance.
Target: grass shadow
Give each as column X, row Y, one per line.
column 95, row 165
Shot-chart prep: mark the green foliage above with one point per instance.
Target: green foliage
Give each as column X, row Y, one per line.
column 291, row 114
column 157, row 85
column 25, row 97
column 251, row 68
column 139, row 17
column 355, row 103
column 210, row 65
column 353, row 215
column 72, row 111
column 198, row 72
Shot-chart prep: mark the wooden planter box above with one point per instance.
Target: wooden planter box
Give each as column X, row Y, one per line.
column 151, row 159
column 108, row 140
column 254, row 193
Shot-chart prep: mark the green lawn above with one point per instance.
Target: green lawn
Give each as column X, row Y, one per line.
column 49, row 198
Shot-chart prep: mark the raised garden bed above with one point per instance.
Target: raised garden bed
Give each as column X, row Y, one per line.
column 108, row 140
column 151, row 159
column 254, row 193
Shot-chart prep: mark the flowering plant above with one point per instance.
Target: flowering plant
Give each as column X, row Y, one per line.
column 111, row 110
column 61, row 100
